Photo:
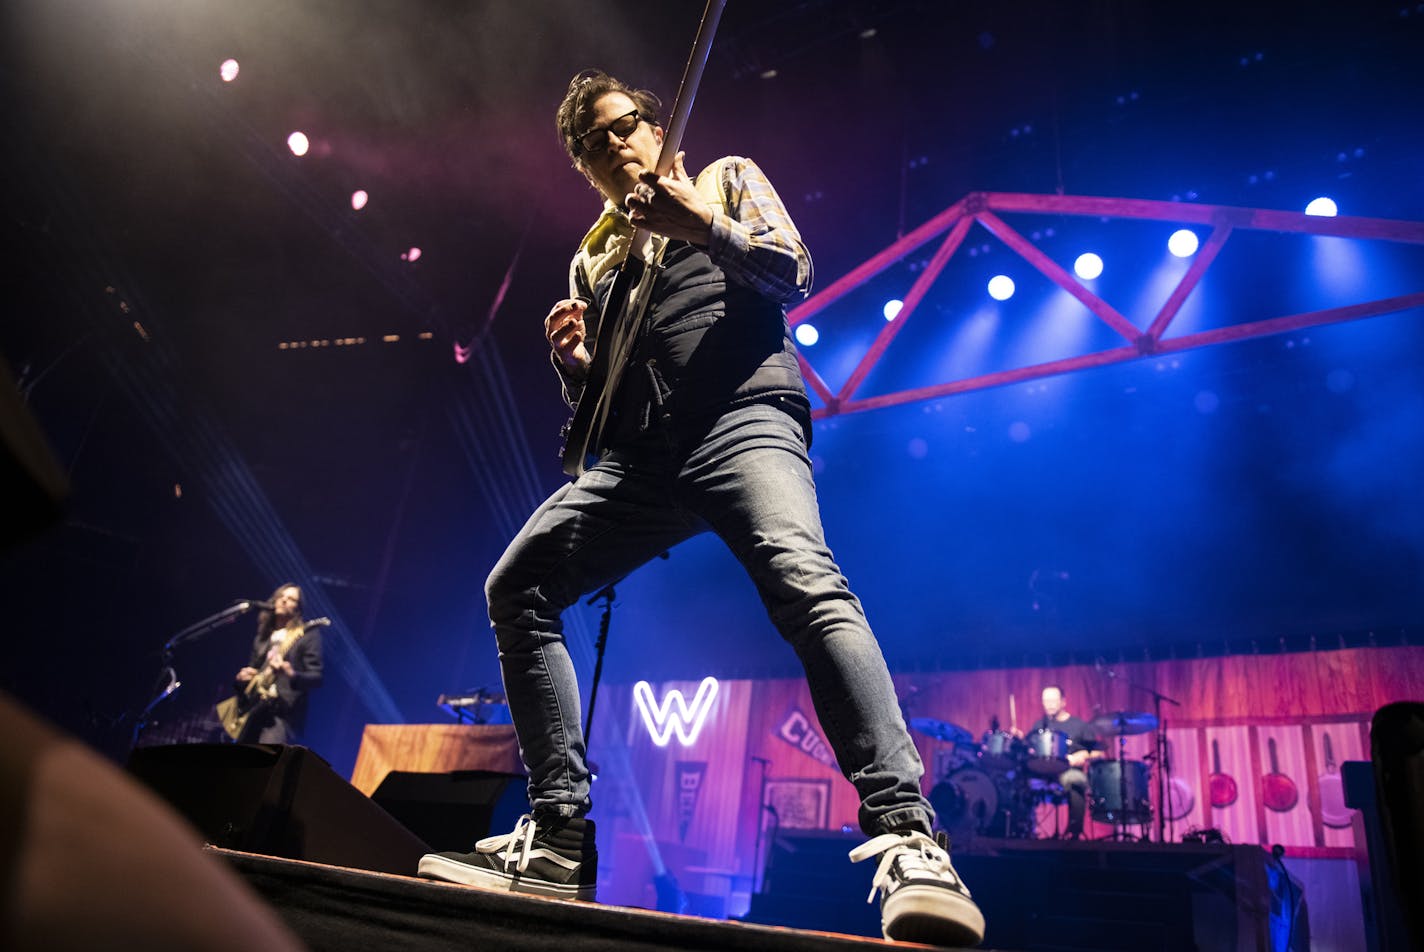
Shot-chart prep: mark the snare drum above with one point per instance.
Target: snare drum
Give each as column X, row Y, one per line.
column 1047, row 752
column 1000, row 750
column 1109, row 781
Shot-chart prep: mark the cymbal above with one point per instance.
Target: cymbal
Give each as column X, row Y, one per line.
column 1125, row 723
column 941, row 730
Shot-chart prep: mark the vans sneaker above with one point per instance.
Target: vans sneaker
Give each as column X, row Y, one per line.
column 548, row 856
column 922, row 898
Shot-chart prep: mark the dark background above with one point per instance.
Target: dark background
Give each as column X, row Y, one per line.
column 163, row 244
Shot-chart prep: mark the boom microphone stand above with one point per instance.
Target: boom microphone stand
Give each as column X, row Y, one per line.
column 167, row 681
column 1159, row 742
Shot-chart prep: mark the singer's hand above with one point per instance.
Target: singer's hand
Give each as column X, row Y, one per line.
column 245, row 675
column 276, row 662
column 564, row 330
column 669, row 205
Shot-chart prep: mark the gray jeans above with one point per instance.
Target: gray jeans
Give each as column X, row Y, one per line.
column 746, row 477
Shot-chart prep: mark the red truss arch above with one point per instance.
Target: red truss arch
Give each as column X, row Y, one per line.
column 985, row 208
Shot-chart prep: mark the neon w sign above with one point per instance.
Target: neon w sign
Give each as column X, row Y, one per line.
column 674, row 715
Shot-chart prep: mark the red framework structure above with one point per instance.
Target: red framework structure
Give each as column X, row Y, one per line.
column 983, row 207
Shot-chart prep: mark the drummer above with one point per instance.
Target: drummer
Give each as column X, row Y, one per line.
column 1083, row 746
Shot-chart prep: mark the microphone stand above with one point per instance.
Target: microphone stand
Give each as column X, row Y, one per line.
column 167, row 677
column 605, row 595
column 1159, row 743
column 759, row 864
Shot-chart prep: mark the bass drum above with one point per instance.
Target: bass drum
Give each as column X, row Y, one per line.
column 969, row 800
column 1107, row 782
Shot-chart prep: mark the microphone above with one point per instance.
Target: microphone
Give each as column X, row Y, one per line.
column 248, row 604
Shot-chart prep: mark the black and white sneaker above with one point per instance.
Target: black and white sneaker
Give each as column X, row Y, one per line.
column 922, row 898
column 550, row 856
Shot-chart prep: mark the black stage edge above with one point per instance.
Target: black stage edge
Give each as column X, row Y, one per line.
column 338, row 909
column 1054, row 895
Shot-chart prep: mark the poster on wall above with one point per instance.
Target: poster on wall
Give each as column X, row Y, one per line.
column 799, row 804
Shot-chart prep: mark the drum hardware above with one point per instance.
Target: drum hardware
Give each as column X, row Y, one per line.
column 1001, row 750
column 1047, row 752
column 1122, row 723
column 1125, row 723
column 941, row 730
column 1120, row 791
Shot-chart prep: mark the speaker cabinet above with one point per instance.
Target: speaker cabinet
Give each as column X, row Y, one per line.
column 450, row 811
column 278, row 801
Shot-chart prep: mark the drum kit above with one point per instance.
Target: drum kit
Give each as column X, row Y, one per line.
column 993, row 786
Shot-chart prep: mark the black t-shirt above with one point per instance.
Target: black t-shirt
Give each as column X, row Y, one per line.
column 1081, row 735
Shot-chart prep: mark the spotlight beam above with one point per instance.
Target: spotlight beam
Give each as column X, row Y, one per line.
column 1204, row 257
column 1058, row 275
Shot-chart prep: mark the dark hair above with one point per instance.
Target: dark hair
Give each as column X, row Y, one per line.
column 587, row 88
column 266, row 619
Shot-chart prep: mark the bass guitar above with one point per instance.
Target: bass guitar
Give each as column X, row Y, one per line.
column 236, row 711
column 632, row 287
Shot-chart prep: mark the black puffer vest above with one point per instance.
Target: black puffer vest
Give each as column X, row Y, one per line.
column 707, row 344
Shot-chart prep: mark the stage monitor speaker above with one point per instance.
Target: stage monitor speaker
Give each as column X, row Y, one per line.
column 278, row 801
column 450, row 811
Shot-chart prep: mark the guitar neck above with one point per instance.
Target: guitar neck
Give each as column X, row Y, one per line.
column 687, row 89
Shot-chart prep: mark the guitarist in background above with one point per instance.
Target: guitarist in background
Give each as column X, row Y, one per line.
column 295, row 660
column 709, row 431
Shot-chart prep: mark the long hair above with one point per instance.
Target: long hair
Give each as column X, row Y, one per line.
column 267, row 619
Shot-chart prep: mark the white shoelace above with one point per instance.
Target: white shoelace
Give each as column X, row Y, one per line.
column 515, row 844
column 913, row 850
column 518, row 847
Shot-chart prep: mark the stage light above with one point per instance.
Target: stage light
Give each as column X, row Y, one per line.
column 807, row 335
column 1088, row 266
column 891, row 309
column 228, row 70
column 1322, row 207
column 359, row 199
column 1001, row 287
column 298, row 143
column 1183, row 243
column 412, row 255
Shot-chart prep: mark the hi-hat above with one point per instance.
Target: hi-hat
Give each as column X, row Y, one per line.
column 1125, row 723
column 941, row 730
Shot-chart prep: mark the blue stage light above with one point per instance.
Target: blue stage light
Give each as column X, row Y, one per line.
column 1001, row 287
column 1322, row 207
column 807, row 335
column 1088, row 266
column 1183, row 243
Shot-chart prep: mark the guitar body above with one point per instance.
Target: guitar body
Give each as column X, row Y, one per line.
column 245, row 707
column 235, row 713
